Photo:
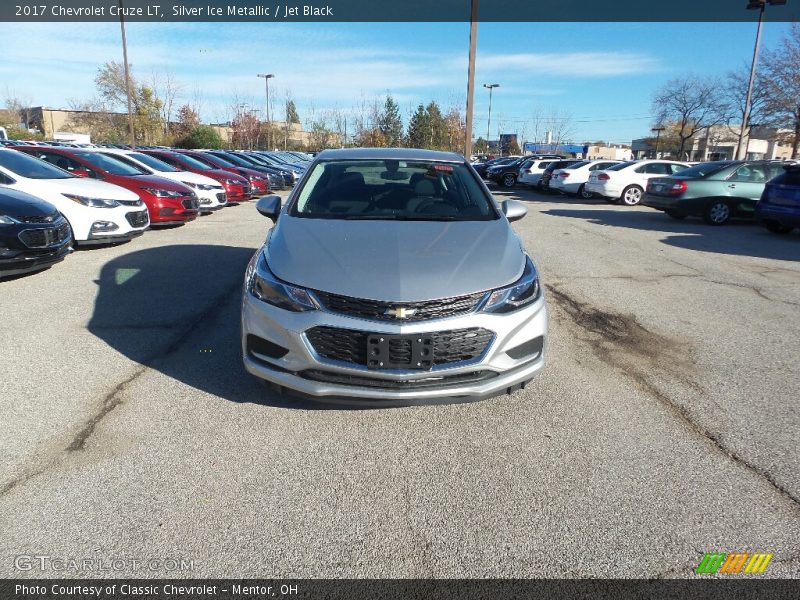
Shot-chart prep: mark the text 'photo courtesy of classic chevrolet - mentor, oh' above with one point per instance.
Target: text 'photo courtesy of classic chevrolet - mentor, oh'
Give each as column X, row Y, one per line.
column 391, row 276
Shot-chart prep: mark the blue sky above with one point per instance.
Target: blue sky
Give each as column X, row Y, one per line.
column 601, row 74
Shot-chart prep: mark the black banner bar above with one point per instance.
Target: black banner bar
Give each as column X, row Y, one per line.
column 399, row 589
column 544, row 11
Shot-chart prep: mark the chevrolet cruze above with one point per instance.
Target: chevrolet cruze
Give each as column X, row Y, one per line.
column 392, row 277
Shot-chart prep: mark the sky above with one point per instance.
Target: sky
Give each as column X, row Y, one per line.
column 601, row 75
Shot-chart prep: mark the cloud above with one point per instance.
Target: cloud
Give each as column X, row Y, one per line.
column 572, row 64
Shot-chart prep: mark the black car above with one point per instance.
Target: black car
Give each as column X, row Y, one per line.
column 506, row 174
column 482, row 167
column 33, row 234
column 547, row 175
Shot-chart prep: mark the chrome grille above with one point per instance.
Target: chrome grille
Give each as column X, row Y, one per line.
column 387, row 311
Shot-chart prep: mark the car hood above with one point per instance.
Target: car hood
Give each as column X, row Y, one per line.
column 89, row 187
column 15, row 203
column 399, row 261
column 158, row 182
column 182, row 176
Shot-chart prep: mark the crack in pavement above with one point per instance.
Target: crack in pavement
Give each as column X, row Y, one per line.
column 114, row 398
column 614, row 335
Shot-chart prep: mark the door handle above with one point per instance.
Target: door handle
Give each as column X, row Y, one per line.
column 733, row 185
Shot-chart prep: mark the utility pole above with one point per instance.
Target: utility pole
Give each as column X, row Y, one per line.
column 473, row 42
column 490, row 87
column 267, row 77
column 658, row 131
column 127, row 76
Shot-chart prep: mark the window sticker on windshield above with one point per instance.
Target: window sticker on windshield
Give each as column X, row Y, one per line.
column 445, row 168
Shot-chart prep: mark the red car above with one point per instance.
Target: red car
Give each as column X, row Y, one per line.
column 259, row 184
column 168, row 202
column 237, row 188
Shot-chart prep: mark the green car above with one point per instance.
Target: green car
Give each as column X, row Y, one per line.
column 715, row 191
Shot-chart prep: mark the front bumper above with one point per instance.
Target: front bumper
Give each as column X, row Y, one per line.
column 17, row 258
column 304, row 371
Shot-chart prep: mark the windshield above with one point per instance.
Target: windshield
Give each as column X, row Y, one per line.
column 705, row 169
column 193, row 162
column 217, row 161
column 111, row 165
column 153, row 162
column 30, row 167
column 231, row 159
column 393, row 190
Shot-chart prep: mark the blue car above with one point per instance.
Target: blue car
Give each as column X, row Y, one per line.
column 779, row 207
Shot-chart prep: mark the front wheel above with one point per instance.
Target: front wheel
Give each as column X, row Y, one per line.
column 632, row 195
column 776, row 227
column 718, row 212
column 585, row 194
column 509, row 180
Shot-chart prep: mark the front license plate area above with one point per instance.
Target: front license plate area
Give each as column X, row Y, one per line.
column 399, row 352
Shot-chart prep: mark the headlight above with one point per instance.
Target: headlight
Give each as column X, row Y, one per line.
column 255, row 178
column 6, row 220
column 232, row 181
column 523, row 292
column 263, row 284
column 159, row 193
column 93, row 202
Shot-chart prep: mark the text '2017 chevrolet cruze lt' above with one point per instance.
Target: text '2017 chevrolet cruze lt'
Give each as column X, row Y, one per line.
column 392, row 275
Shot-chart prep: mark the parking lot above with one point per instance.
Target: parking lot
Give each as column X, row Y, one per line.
column 663, row 427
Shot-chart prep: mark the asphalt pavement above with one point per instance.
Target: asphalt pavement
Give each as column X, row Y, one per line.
column 664, row 426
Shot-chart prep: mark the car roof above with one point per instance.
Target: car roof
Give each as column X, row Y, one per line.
column 389, row 153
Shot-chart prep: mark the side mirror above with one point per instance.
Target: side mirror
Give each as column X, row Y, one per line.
column 80, row 172
column 514, row 210
column 270, row 207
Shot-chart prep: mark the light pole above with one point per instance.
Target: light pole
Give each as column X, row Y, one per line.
column 267, row 77
column 473, row 41
column 490, row 87
column 127, row 76
column 658, row 131
column 760, row 6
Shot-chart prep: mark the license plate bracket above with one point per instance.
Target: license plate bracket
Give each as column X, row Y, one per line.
column 413, row 352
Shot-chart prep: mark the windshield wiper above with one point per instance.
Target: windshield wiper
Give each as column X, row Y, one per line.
column 398, row 218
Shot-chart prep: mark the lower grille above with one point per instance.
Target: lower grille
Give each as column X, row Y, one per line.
column 190, row 204
column 390, row 384
column 415, row 311
column 137, row 219
column 221, row 198
column 347, row 345
column 45, row 238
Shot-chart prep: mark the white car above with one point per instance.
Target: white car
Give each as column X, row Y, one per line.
column 530, row 173
column 209, row 191
column 627, row 181
column 97, row 212
column 572, row 179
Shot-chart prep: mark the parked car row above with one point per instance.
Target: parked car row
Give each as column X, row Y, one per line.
column 55, row 197
column 768, row 190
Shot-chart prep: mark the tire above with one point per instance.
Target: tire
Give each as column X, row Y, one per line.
column 582, row 193
column 675, row 215
column 631, row 195
column 776, row 227
column 509, row 180
column 717, row 212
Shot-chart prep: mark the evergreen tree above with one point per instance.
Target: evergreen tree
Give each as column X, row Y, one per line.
column 291, row 112
column 418, row 128
column 390, row 124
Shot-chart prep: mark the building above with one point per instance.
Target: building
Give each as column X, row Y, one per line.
column 719, row 142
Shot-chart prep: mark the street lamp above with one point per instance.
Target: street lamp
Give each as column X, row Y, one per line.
column 760, row 6
column 490, row 87
column 658, row 131
column 267, row 77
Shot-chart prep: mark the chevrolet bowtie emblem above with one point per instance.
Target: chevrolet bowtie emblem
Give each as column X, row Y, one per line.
column 401, row 312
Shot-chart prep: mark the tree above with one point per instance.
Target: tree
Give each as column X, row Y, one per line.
column 188, row 119
column 291, row 111
column 481, row 146
column 418, row 128
column 692, row 103
column 246, row 129
column 390, row 124
column 513, row 148
column 782, row 77
column 437, row 128
column 201, row 136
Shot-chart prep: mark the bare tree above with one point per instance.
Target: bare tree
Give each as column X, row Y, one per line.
column 692, row 103
column 782, row 74
column 166, row 89
column 561, row 124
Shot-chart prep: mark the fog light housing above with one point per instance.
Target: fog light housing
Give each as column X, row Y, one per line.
column 165, row 212
column 104, row 226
